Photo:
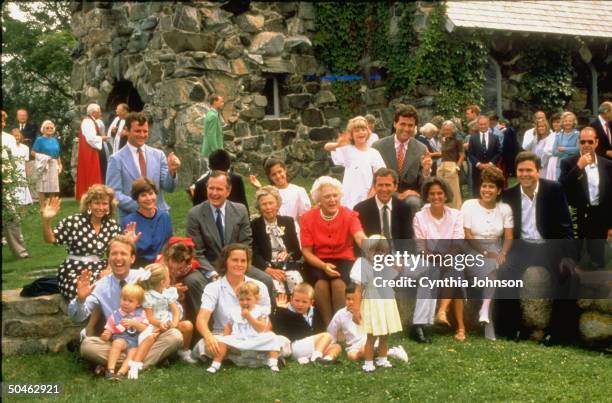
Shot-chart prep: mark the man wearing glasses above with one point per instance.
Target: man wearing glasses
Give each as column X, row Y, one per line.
column 587, row 180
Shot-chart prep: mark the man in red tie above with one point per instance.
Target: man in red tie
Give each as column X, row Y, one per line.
column 603, row 127
column 137, row 159
column 406, row 156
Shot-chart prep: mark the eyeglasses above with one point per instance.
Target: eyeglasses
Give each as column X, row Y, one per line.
column 587, row 141
column 49, row 127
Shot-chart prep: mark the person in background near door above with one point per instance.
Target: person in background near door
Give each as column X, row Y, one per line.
column 213, row 127
column 116, row 128
column 603, row 127
column 89, row 168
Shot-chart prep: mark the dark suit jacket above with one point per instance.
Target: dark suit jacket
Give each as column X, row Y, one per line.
column 401, row 218
column 202, row 229
column 411, row 176
column 476, row 152
column 510, row 148
column 575, row 183
column 604, row 142
column 30, row 131
column 237, row 194
column 552, row 213
column 294, row 326
column 262, row 249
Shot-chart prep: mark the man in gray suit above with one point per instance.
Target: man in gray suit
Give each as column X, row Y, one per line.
column 218, row 222
column 406, row 156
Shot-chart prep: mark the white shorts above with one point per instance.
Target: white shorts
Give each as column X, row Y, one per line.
column 303, row 347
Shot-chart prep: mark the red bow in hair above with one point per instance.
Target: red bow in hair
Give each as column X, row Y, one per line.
column 187, row 241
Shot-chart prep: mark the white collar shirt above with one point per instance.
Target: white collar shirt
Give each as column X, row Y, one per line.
column 529, row 228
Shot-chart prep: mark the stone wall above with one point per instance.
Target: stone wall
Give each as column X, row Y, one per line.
column 36, row 325
column 177, row 54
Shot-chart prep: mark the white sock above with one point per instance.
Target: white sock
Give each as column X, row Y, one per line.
column 328, row 358
column 216, row 364
column 484, row 309
column 315, row 355
column 381, row 360
column 272, row 362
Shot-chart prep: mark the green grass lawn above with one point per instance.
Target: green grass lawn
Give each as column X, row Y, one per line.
column 446, row 370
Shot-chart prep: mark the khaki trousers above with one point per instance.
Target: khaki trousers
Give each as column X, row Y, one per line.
column 448, row 171
column 96, row 350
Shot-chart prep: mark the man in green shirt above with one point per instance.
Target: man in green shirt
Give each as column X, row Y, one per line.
column 213, row 130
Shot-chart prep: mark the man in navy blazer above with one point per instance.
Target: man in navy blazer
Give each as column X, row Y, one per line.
column 587, row 180
column 603, row 127
column 540, row 213
column 484, row 150
column 137, row 159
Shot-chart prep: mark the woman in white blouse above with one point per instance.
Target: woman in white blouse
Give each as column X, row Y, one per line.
column 488, row 228
column 359, row 160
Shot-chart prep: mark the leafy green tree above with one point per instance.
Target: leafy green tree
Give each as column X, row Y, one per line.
column 37, row 65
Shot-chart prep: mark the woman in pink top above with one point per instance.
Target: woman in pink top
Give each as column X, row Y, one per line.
column 438, row 223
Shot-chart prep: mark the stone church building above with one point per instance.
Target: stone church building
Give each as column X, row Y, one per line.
column 166, row 58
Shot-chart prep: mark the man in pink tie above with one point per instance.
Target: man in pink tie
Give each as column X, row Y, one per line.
column 603, row 127
column 408, row 157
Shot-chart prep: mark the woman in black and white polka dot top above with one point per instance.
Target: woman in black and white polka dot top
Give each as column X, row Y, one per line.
column 86, row 235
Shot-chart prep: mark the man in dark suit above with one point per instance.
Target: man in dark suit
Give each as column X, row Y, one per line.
column 218, row 222
column 540, row 212
column 406, row 156
column 484, row 150
column 219, row 160
column 587, row 180
column 603, row 127
column 28, row 129
column 384, row 213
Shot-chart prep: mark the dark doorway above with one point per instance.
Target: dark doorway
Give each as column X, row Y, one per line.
column 124, row 91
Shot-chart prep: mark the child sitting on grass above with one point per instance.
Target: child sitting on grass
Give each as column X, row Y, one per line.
column 123, row 328
column 248, row 330
column 343, row 326
column 301, row 323
column 375, row 309
column 163, row 313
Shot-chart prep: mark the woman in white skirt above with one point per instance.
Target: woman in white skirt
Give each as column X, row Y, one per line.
column 22, row 153
column 46, row 151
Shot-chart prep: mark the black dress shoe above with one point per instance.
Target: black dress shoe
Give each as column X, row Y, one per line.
column 428, row 334
column 417, row 333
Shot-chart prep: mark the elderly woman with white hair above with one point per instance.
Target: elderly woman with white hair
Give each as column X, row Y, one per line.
column 565, row 145
column 327, row 233
column 46, row 152
column 451, row 159
column 276, row 249
column 91, row 165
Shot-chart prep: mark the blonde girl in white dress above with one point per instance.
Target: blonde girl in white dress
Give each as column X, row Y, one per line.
column 359, row 160
column 375, row 308
column 248, row 329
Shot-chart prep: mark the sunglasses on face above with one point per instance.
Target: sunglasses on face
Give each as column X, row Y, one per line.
column 587, row 142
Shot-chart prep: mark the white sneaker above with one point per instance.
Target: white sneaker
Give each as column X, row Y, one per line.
column 489, row 332
column 383, row 363
column 211, row 370
column 274, row 368
column 185, row 355
column 399, row 353
column 134, row 367
column 303, row 360
column 368, row 368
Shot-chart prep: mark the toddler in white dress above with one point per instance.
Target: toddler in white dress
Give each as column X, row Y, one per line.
column 248, row 330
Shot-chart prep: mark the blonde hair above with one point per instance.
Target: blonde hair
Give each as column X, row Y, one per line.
column 428, row 128
column 358, row 122
column 159, row 272
column 268, row 191
column 134, row 291
column 569, row 114
column 99, row 192
column 248, row 289
column 375, row 245
column 45, row 123
column 304, row 288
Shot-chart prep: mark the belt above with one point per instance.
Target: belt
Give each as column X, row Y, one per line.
column 85, row 259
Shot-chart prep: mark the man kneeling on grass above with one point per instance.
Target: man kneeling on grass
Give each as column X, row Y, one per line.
column 104, row 295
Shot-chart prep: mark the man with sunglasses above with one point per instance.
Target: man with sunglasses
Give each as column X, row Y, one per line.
column 587, row 180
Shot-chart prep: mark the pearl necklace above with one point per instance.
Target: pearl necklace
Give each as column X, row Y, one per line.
column 328, row 217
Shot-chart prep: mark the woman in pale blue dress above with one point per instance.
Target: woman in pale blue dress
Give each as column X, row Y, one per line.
column 566, row 141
